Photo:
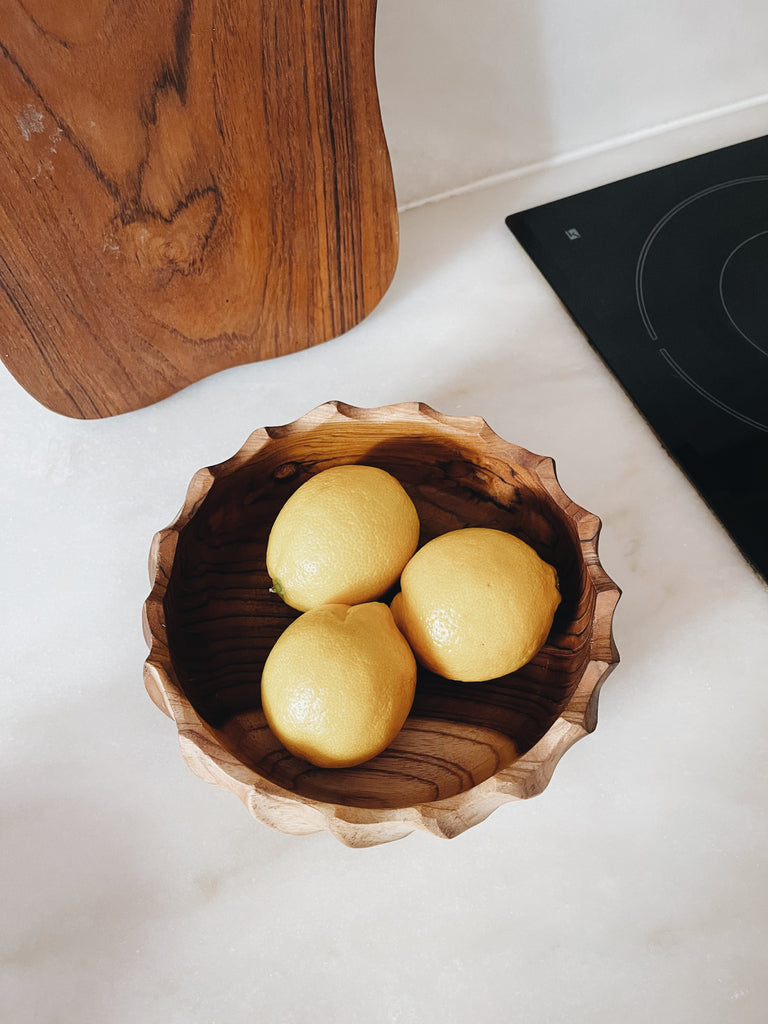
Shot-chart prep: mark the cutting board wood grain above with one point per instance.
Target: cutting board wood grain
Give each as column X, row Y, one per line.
column 185, row 185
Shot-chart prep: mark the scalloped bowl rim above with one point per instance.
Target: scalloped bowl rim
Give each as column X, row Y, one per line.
column 525, row 777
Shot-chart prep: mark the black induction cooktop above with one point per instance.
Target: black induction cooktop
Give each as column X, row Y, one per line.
column 666, row 273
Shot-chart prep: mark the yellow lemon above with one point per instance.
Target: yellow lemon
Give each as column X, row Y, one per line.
column 476, row 604
column 342, row 537
column 338, row 684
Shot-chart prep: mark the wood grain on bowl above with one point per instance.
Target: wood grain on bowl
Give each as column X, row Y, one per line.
column 466, row 747
column 185, row 187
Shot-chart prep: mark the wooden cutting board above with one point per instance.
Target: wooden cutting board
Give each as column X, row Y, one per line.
column 185, row 185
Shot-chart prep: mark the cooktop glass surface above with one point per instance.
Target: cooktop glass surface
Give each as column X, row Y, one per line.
column 666, row 273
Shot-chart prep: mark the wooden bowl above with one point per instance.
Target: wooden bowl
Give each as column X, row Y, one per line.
column 210, row 621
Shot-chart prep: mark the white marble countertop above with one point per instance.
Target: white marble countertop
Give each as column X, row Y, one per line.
column 633, row 889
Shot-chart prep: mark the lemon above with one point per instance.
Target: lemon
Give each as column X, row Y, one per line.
column 342, row 537
column 476, row 604
column 338, row 684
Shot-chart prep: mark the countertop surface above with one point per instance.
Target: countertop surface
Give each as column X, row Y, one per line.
column 633, row 889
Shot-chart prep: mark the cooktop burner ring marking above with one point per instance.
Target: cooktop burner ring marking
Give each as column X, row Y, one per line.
column 710, row 397
column 660, row 224
column 728, row 259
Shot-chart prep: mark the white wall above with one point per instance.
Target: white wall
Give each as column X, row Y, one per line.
column 476, row 88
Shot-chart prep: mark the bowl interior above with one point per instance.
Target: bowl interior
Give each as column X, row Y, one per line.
column 222, row 620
